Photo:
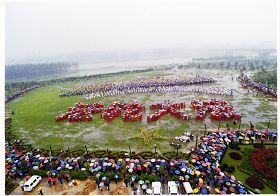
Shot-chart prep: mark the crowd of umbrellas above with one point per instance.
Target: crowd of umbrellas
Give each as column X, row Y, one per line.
column 219, row 109
column 161, row 89
column 136, row 85
column 202, row 170
column 247, row 82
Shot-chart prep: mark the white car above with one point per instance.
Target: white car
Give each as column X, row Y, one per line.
column 30, row 184
column 188, row 188
column 172, row 188
column 156, row 188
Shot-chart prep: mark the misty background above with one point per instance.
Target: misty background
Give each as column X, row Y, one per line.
column 117, row 31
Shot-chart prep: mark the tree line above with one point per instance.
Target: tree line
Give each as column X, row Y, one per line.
column 27, row 71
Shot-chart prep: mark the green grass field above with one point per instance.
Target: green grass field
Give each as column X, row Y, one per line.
column 34, row 118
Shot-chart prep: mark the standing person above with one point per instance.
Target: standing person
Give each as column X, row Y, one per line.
column 126, row 181
column 107, row 183
column 132, row 183
column 50, row 181
column 41, row 192
column 60, row 179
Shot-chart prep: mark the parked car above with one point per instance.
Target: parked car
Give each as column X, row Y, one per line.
column 157, row 190
column 172, row 188
column 32, row 183
column 188, row 188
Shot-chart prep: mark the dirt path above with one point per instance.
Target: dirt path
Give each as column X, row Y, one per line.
column 87, row 187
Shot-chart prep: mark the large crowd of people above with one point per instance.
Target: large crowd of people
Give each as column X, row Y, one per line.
column 161, row 89
column 19, row 93
column 203, row 169
column 248, row 82
column 141, row 83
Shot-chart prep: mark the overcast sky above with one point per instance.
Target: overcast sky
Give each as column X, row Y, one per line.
column 54, row 28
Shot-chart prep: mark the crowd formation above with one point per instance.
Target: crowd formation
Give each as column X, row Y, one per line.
column 144, row 84
column 132, row 112
column 19, row 93
column 161, row 89
column 202, row 170
column 247, row 82
column 219, row 109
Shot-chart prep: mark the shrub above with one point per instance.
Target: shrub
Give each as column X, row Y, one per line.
column 230, row 169
column 225, row 166
column 233, row 146
column 235, row 156
column 258, row 145
column 10, row 185
column 254, row 183
column 42, row 173
column 147, row 155
column 264, row 160
column 80, row 175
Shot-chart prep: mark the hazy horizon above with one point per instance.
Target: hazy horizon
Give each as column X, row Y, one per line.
column 61, row 29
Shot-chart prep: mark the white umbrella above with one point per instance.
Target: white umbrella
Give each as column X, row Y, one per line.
column 130, row 170
column 153, row 160
column 91, row 164
column 222, row 173
column 83, row 169
column 144, row 186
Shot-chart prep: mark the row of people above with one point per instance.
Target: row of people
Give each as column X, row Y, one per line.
column 142, row 83
column 161, row 89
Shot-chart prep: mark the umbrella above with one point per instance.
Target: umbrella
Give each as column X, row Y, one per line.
column 83, row 169
column 149, row 191
column 177, row 172
column 153, row 160
column 232, row 189
column 217, row 190
column 144, row 186
column 104, row 178
column 101, row 184
column 257, row 190
column 141, row 182
column 204, row 191
column 223, row 193
column 183, row 169
column 147, row 181
column 222, row 173
column 130, row 170
column 104, row 164
column 197, row 173
column 195, row 190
